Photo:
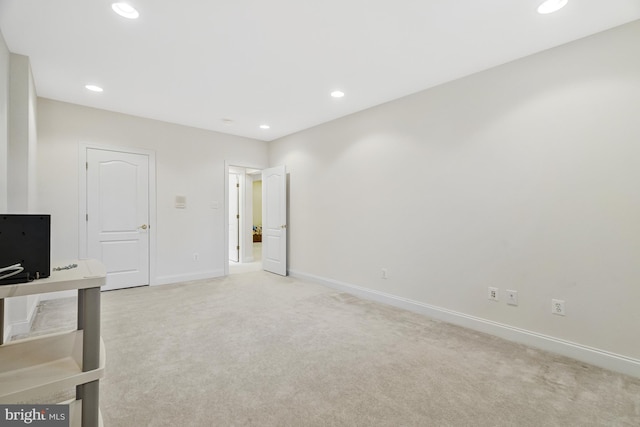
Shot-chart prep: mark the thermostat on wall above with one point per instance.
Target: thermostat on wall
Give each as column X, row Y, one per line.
column 181, row 202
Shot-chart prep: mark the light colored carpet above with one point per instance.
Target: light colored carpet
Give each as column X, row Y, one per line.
column 256, row 349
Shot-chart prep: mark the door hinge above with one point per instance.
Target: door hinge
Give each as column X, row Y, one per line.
column 237, row 216
column 238, row 185
column 87, row 217
column 86, row 165
column 238, row 247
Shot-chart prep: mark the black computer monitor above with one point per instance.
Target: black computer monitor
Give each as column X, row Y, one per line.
column 25, row 239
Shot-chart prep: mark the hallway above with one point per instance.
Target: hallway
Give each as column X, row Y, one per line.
column 256, row 265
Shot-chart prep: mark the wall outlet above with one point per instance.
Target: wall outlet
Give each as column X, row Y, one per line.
column 493, row 294
column 512, row 297
column 557, row 307
column 196, row 257
column 385, row 273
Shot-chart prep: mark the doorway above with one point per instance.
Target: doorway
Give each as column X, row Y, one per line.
column 244, row 204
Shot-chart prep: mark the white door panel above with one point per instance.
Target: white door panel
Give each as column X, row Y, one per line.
column 274, row 220
column 121, row 257
column 234, row 221
column 118, row 198
column 118, row 215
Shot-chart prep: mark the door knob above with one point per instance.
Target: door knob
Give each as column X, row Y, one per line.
column 283, row 226
column 143, row 226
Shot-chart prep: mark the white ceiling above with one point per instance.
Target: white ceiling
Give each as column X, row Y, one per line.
column 196, row 62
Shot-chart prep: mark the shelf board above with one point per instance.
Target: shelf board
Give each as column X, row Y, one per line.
column 89, row 273
column 41, row 366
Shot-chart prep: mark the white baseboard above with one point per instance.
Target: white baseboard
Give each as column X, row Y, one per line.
column 167, row 280
column 593, row 356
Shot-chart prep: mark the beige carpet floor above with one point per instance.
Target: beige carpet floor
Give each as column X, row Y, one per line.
column 256, row 349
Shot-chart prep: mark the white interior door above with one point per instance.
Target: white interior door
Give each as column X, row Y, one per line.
column 118, row 215
column 274, row 220
column 234, row 217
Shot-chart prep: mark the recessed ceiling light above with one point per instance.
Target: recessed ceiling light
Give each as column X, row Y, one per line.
column 94, row 88
column 125, row 10
column 265, row 127
column 337, row 94
column 550, row 6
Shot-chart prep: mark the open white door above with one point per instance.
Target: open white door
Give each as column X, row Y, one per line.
column 118, row 215
column 234, row 217
column 274, row 220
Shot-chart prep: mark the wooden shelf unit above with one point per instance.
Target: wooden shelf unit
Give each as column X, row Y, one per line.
column 36, row 367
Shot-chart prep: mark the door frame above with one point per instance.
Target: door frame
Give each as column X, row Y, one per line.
column 240, row 214
column 82, row 199
column 227, row 166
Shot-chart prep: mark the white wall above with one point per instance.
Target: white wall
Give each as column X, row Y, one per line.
column 20, row 172
column 189, row 162
column 521, row 177
column 4, row 135
column 4, row 114
column 257, row 200
column 22, row 146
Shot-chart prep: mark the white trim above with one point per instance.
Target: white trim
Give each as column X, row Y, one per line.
column 593, row 356
column 82, row 199
column 225, row 208
column 179, row 278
